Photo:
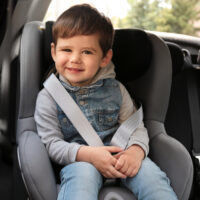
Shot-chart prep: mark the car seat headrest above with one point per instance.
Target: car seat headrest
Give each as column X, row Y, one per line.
column 177, row 58
column 131, row 53
column 48, row 38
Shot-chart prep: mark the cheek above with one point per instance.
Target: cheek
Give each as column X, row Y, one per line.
column 93, row 69
column 61, row 60
column 60, row 64
column 94, row 62
column 93, row 66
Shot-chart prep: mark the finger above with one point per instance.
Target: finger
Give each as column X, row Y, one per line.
column 130, row 171
column 134, row 172
column 116, row 174
column 113, row 149
column 108, row 174
column 119, row 164
column 124, row 168
column 117, row 156
column 113, row 162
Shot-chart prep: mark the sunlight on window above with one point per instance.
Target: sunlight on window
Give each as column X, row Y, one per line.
column 155, row 15
column 114, row 9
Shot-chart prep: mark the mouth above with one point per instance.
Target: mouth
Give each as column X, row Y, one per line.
column 74, row 70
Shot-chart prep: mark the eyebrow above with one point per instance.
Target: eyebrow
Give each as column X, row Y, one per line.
column 70, row 47
column 64, row 47
column 90, row 48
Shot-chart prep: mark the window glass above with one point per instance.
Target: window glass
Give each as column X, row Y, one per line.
column 177, row 16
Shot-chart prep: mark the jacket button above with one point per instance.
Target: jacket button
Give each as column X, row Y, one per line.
column 64, row 119
column 82, row 103
column 110, row 119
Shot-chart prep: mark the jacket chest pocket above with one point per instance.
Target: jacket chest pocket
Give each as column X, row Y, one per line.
column 66, row 126
column 108, row 118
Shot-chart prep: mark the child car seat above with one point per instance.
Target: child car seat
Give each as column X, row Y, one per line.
column 143, row 65
column 180, row 110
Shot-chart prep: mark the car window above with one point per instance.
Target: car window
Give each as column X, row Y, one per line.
column 176, row 16
column 115, row 13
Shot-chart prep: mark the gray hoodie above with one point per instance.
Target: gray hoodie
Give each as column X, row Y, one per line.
column 48, row 126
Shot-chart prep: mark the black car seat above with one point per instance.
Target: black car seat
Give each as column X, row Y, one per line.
column 179, row 120
column 143, row 64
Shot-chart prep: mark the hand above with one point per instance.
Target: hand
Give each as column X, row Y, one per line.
column 129, row 161
column 102, row 159
column 105, row 162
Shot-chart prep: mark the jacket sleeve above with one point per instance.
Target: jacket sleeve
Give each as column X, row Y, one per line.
column 49, row 130
column 140, row 135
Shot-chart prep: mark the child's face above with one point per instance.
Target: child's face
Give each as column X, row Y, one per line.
column 78, row 58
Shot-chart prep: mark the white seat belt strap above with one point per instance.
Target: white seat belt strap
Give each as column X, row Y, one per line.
column 124, row 132
column 80, row 122
column 72, row 111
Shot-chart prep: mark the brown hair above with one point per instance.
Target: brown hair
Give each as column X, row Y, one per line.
column 84, row 20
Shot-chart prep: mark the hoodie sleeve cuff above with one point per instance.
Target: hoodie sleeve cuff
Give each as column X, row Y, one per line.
column 142, row 145
column 74, row 147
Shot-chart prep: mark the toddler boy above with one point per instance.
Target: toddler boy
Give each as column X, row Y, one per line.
column 82, row 52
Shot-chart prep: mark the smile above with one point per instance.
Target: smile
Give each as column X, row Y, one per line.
column 74, row 70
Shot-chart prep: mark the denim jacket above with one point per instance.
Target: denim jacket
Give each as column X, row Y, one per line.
column 100, row 103
column 106, row 103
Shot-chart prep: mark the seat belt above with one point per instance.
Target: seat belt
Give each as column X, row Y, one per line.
column 81, row 123
column 126, row 129
column 72, row 111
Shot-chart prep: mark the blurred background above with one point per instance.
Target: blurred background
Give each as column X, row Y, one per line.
column 176, row 16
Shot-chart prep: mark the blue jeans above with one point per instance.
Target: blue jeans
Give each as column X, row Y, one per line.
column 82, row 180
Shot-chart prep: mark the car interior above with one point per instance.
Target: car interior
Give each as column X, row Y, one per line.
column 159, row 70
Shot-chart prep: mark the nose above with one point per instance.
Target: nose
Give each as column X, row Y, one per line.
column 75, row 57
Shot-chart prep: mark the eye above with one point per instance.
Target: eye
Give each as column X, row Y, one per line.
column 87, row 52
column 67, row 50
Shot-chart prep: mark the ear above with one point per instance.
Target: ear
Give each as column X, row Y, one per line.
column 53, row 51
column 107, row 58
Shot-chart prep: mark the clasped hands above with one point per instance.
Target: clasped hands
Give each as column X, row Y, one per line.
column 123, row 164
